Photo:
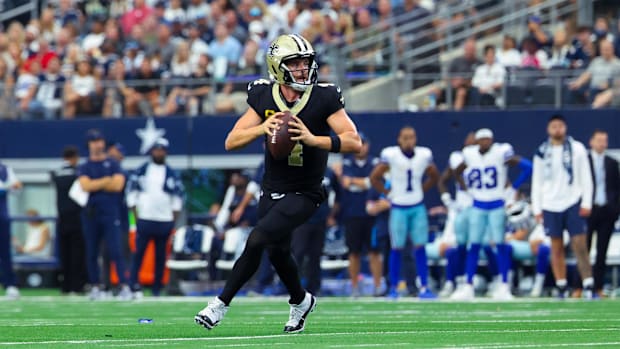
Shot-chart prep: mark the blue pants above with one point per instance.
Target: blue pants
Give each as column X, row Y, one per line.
column 97, row 226
column 159, row 233
column 6, row 263
column 481, row 221
column 408, row 222
column 461, row 226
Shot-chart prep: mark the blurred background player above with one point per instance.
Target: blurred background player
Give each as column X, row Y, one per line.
column 291, row 187
column 309, row 238
column 155, row 195
column 457, row 222
column 378, row 206
column 486, row 181
column 527, row 241
column 562, row 199
column 102, row 178
column 8, row 182
column 357, row 222
column 69, row 226
column 408, row 164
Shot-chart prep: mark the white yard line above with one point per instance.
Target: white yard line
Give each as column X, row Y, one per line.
column 335, row 334
column 547, row 345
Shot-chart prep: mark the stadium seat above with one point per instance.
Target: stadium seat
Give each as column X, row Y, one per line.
column 543, row 95
column 234, row 242
column 515, row 96
column 190, row 247
column 335, row 251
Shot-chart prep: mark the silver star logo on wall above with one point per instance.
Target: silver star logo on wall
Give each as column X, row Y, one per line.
column 149, row 134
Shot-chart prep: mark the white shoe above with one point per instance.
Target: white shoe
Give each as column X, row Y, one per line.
column 502, row 293
column 125, row 294
column 536, row 289
column 138, row 295
column 447, row 290
column 12, row 293
column 212, row 314
column 493, row 285
column 95, row 294
column 299, row 312
column 464, row 293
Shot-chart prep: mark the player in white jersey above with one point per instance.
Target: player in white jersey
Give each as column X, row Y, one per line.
column 457, row 221
column 407, row 164
column 486, row 181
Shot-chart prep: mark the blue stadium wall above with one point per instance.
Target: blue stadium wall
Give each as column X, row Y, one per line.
column 441, row 131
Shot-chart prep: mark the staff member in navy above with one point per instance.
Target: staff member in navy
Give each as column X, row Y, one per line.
column 101, row 177
column 155, row 195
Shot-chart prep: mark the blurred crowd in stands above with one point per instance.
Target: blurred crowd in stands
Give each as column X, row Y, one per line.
column 108, row 57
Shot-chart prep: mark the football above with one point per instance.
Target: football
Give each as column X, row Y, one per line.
column 280, row 144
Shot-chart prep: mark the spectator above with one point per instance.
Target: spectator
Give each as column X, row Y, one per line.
column 175, row 12
column 489, row 78
column 609, row 97
column 163, row 46
column 532, row 57
column 189, row 99
column 47, row 94
column 118, row 8
column 559, row 51
column 7, row 83
column 277, row 16
column 92, row 42
column 66, row 13
column 69, row 227
column 80, row 91
column 43, row 55
column 8, row 182
column 366, row 58
column 225, row 51
column 49, row 27
column 601, row 31
column 180, row 66
column 197, row 9
column 63, row 42
column 136, row 16
column 461, row 70
column 115, row 94
column 26, row 83
column 145, row 94
column 197, row 45
column 236, row 30
column 582, row 49
column 542, row 39
column 599, row 73
column 38, row 240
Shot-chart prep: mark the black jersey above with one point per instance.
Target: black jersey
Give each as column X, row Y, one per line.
column 303, row 170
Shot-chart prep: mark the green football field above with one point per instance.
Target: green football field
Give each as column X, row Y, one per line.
column 74, row 322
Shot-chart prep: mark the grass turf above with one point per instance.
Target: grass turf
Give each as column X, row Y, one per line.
column 73, row 322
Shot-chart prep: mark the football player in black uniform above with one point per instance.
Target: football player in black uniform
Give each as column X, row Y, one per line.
column 291, row 187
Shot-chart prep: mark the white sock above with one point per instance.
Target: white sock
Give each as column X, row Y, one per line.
column 561, row 283
column 588, row 282
column 539, row 279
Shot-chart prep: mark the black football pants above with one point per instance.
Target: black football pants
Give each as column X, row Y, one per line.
column 278, row 217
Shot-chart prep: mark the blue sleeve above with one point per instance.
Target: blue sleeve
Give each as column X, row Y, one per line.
column 373, row 195
column 526, row 172
column 116, row 168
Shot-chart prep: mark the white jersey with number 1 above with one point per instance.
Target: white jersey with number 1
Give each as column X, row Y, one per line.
column 406, row 174
column 487, row 173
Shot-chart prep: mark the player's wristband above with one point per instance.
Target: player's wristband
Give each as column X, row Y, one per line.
column 367, row 182
column 335, row 148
